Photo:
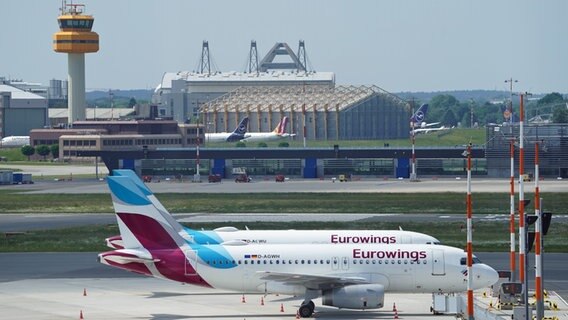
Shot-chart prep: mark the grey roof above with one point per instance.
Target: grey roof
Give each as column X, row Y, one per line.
column 287, row 98
column 20, row 94
column 101, row 113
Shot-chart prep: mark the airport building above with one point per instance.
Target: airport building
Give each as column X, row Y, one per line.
column 553, row 149
column 21, row 111
column 269, row 90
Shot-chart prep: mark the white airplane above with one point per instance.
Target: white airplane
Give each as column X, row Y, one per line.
column 418, row 123
column 226, row 234
column 278, row 133
column 238, row 134
column 352, row 276
column 14, row 141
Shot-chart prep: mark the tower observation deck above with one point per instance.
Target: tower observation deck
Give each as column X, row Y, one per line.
column 75, row 38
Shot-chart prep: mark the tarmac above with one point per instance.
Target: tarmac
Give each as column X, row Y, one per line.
column 42, row 286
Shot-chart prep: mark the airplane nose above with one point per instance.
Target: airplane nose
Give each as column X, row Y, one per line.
column 486, row 276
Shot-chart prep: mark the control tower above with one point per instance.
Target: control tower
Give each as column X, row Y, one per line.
column 75, row 38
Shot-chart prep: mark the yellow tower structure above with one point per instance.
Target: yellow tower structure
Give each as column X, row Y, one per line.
column 75, row 38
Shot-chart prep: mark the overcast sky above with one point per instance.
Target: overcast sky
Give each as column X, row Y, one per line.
column 398, row 45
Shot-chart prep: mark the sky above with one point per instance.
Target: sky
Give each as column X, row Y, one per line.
column 398, row 45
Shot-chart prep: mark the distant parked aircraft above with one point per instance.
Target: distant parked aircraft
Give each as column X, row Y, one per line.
column 418, row 119
column 14, row 141
column 278, row 133
column 237, row 135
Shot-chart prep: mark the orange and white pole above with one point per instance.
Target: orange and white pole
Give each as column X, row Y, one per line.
column 469, row 240
column 522, row 236
column 512, row 257
column 537, row 240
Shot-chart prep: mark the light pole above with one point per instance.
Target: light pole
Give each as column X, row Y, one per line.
column 511, row 81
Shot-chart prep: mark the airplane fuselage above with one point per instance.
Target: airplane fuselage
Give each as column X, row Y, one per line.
column 250, row 268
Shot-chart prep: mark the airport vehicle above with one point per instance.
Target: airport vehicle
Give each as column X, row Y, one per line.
column 420, row 125
column 352, row 276
column 238, row 134
column 14, row 141
column 214, row 178
column 278, row 133
column 280, row 178
column 227, row 234
column 242, row 178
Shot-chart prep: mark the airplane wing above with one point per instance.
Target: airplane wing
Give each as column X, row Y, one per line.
column 431, row 124
column 311, row 281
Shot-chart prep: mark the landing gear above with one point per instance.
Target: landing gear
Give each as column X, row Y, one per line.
column 306, row 309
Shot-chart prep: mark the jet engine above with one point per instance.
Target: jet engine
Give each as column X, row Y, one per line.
column 360, row 296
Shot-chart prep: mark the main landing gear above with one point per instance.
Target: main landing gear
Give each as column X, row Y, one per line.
column 307, row 309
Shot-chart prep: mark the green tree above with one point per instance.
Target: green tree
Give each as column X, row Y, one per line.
column 262, row 145
column 43, row 150
column 283, row 144
column 132, row 102
column 54, row 149
column 560, row 115
column 241, row 144
column 449, row 118
column 550, row 98
column 28, row 151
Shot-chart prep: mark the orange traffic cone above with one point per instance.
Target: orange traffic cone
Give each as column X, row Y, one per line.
column 243, row 300
column 281, row 307
column 261, row 301
column 84, row 292
column 393, row 306
column 395, row 314
column 81, row 315
column 298, row 314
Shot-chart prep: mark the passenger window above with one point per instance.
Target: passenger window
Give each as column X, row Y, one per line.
column 264, row 261
column 309, row 261
column 240, row 261
column 380, row 261
column 386, row 262
column 327, row 261
column 354, row 261
column 303, row 261
column 367, row 261
column 296, row 261
column 246, row 261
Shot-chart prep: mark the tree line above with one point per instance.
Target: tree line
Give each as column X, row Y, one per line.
column 451, row 112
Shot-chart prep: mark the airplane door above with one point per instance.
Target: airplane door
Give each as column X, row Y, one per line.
column 335, row 263
column 345, row 263
column 190, row 262
column 438, row 264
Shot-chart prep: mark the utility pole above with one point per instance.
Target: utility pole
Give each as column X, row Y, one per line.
column 511, row 81
column 413, row 140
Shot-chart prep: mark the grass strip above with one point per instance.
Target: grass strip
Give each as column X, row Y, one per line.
column 438, row 203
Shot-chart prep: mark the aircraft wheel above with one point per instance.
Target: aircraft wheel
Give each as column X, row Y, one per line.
column 306, row 310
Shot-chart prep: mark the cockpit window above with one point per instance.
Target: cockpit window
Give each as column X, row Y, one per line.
column 463, row 261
